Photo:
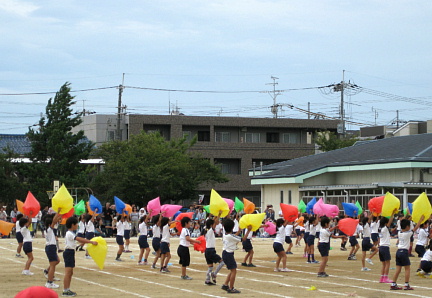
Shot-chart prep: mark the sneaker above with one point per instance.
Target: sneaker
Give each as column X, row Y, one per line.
column 88, row 257
column 305, row 256
column 45, row 273
column 387, row 280
column 68, row 293
column 408, row 288
column 251, row 265
column 76, row 248
column 365, row 269
column 308, row 262
column 51, row 285
column 284, row 270
column 153, row 266
column 276, row 270
column 81, row 249
column 244, row 264
column 353, row 257
column 18, row 256
column 119, row 260
column 369, row 261
column 140, row 263
column 213, row 277
column 395, row 287
column 343, row 248
column 185, row 277
column 209, row 283
column 164, row 270
column 56, row 279
column 127, row 251
column 27, row 272
column 421, row 273
column 154, row 253
column 233, row 291
column 322, row 274
column 315, row 262
column 225, row 287
column 288, row 253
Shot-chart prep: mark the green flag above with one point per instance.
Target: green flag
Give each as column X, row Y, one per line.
column 207, row 208
column 301, row 206
column 80, row 208
column 238, row 205
column 360, row 209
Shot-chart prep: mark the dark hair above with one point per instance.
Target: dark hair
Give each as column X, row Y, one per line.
column 48, row 221
column 365, row 220
column 324, row 221
column 88, row 217
column 404, row 223
column 209, row 223
column 19, row 216
column 430, row 245
column 312, row 219
column 279, row 222
column 185, row 220
column 155, row 219
column 164, row 221
column 142, row 219
column 23, row 221
column 228, row 225
column 383, row 222
column 71, row 221
column 119, row 217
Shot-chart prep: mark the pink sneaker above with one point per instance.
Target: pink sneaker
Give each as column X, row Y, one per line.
column 381, row 279
column 386, row 280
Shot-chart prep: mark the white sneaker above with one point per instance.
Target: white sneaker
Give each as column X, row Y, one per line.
column 369, row 261
column 88, row 257
column 27, row 272
column 51, row 285
column 277, row 270
column 284, row 270
column 366, row 269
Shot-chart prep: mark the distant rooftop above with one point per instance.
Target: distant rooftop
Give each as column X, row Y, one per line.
column 15, row 142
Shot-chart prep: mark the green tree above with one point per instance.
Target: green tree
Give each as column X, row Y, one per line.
column 148, row 166
column 328, row 141
column 11, row 188
column 56, row 151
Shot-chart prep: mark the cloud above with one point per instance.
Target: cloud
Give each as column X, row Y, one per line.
column 16, row 7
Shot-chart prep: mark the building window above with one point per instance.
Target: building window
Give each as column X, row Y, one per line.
column 229, row 165
column 221, row 136
column 281, row 196
column 187, row 135
column 204, row 136
column 110, row 135
column 252, row 137
column 272, row 137
column 290, row 138
column 289, row 197
column 225, row 168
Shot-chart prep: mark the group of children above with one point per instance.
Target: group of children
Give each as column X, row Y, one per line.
column 376, row 232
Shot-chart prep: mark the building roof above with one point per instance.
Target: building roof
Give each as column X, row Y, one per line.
column 19, row 144
column 414, row 148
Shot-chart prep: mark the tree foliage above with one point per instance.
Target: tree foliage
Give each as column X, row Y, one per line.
column 328, row 141
column 56, row 151
column 148, row 166
column 11, row 188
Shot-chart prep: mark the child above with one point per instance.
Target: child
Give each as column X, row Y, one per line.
column 374, row 225
column 119, row 238
column 313, row 220
column 69, row 254
column 422, row 240
column 183, row 249
column 196, row 231
column 426, row 262
column 142, row 240
column 354, row 244
column 210, row 252
column 367, row 244
column 165, row 245
column 324, row 244
column 384, row 248
column 27, row 243
column 89, row 228
column 402, row 254
column 288, row 231
column 306, row 236
column 51, row 249
column 81, row 232
column 247, row 246
column 156, row 220
column 127, row 233
column 18, row 236
column 230, row 242
column 278, row 245
column 299, row 230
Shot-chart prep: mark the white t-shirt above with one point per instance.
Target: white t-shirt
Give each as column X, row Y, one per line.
column 312, row 229
column 374, row 227
column 81, row 227
column 280, row 235
column 50, row 237
column 166, row 234
column 120, row 228
column 17, row 227
column 324, row 236
column 367, row 231
column 90, row 227
column 70, row 240
column 143, row 228
column 307, row 227
column 183, row 234
column 384, row 237
column 156, row 231
column 318, row 227
column 210, row 239
column 249, row 236
column 236, row 226
column 422, row 238
column 427, row 256
column 404, row 239
column 288, row 230
column 230, row 242
column 26, row 234
column 218, row 228
column 127, row 225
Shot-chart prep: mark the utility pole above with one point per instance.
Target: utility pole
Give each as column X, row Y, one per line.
column 309, row 110
column 274, row 107
column 340, row 87
column 119, row 110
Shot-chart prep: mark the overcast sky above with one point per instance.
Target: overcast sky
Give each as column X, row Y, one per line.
column 217, row 45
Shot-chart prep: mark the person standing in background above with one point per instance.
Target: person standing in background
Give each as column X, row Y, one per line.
column 134, row 216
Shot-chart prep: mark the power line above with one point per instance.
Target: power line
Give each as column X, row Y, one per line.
column 54, row 92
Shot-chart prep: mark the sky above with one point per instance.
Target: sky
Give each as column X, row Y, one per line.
column 217, row 58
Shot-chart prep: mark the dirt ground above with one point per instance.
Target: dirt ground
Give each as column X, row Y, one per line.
column 130, row 280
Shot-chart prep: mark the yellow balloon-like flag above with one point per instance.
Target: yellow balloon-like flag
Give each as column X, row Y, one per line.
column 254, row 220
column 421, row 206
column 62, row 199
column 218, row 204
column 390, row 203
column 98, row 252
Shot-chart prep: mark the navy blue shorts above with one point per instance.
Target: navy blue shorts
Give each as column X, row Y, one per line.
column 69, row 258
column 211, row 256
column 19, row 237
column 247, row 245
column 353, row 240
column 426, row 266
column 127, row 234
column 156, row 243
column 119, row 240
column 27, row 247
column 164, row 247
column 384, row 253
column 305, row 238
column 342, row 233
column 288, row 239
column 402, row 257
column 412, row 238
column 51, row 252
column 278, row 247
column 89, row 235
column 420, row 250
column 55, row 232
column 324, row 248
column 184, row 255
column 298, row 232
column 317, row 235
column 80, row 235
column 311, row 240
column 142, row 241
column 375, row 237
column 229, row 260
column 366, row 244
